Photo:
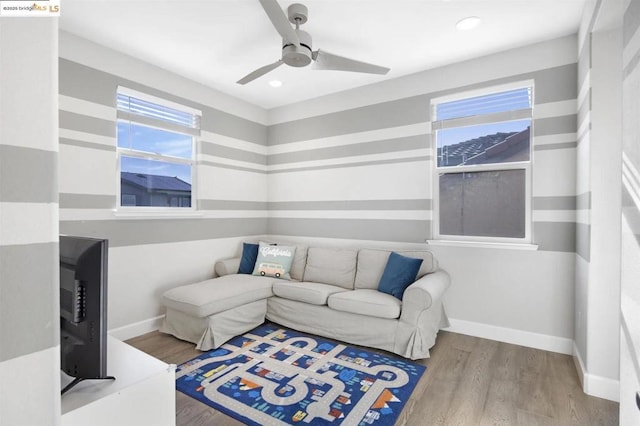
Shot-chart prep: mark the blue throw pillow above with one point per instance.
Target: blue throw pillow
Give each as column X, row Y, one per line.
column 400, row 273
column 248, row 260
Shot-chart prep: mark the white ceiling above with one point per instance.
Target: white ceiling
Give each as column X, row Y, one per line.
column 217, row 42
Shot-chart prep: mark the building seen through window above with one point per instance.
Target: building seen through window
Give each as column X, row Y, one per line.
column 482, row 173
column 156, row 152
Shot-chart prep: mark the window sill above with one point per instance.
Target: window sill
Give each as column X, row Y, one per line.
column 482, row 244
column 156, row 214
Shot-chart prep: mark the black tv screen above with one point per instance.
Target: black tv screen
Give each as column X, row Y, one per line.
column 83, row 308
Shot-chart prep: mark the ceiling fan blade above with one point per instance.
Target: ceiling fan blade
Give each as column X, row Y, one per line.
column 260, row 72
column 328, row 61
column 280, row 21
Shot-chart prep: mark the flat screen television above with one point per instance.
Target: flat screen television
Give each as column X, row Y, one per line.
column 83, row 308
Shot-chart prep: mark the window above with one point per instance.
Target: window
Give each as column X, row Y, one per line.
column 156, row 152
column 482, row 176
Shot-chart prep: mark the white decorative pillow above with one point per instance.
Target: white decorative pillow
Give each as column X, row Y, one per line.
column 274, row 261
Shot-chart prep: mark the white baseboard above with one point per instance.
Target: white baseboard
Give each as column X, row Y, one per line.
column 577, row 361
column 593, row 385
column 510, row 335
column 137, row 328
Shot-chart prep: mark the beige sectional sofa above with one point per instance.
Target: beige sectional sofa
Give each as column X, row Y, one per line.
column 332, row 293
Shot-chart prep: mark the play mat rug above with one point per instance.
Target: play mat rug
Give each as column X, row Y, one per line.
column 275, row 376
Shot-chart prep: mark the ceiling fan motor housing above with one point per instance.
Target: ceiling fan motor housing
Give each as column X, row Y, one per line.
column 298, row 56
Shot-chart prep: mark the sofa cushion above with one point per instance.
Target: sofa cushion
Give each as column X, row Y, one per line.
column 313, row 293
column 399, row 274
column 248, row 259
column 274, row 260
column 299, row 260
column 218, row 294
column 371, row 264
column 333, row 266
column 366, row 302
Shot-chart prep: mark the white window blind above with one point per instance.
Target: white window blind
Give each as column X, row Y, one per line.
column 487, row 104
column 155, row 112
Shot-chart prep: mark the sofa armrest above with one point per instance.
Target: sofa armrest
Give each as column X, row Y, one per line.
column 227, row 266
column 423, row 294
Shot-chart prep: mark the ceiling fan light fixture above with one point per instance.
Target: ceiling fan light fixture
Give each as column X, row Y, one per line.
column 297, row 46
column 468, row 23
column 298, row 56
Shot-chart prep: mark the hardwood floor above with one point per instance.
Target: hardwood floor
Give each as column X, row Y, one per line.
column 469, row 381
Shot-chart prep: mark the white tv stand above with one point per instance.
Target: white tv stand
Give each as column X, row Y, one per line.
column 142, row 394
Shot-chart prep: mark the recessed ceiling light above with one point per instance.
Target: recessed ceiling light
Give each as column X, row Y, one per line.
column 275, row 83
column 468, row 23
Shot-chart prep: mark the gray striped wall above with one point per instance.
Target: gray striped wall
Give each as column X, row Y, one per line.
column 134, row 232
column 82, row 82
column 29, row 311
column 28, row 188
column 88, row 162
column 299, row 212
column 583, row 230
column 583, row 189
column 384, row 155
column 552, row 85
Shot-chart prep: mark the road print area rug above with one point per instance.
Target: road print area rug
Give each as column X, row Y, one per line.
column 275, row 376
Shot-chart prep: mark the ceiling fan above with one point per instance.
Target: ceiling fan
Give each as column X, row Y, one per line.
column 296, row 45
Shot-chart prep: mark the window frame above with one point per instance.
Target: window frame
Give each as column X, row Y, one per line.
column 193, row 133
column 526, row 166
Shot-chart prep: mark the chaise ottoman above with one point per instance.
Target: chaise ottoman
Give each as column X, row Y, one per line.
column 211, row 312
